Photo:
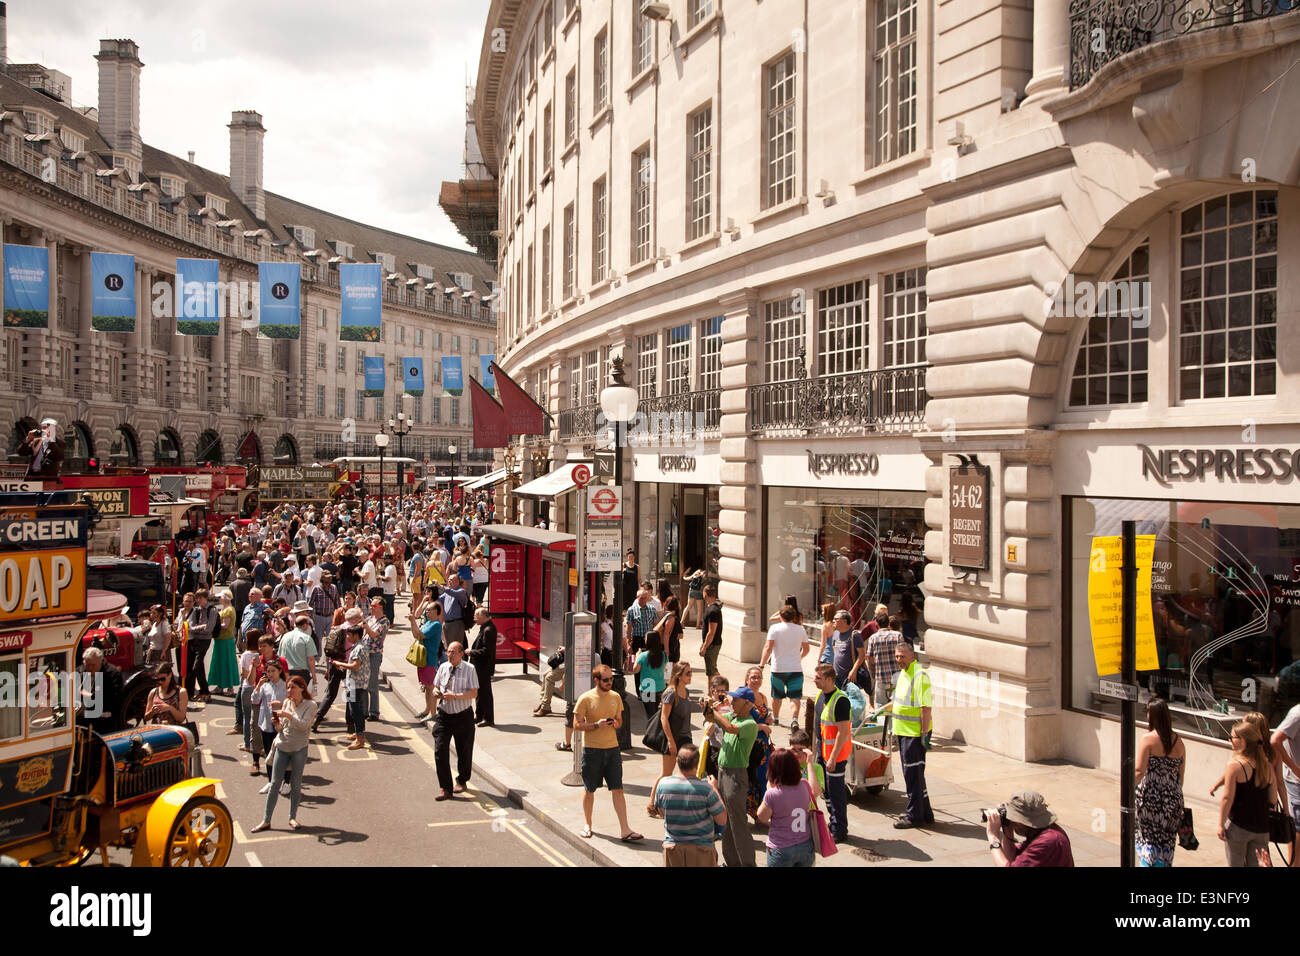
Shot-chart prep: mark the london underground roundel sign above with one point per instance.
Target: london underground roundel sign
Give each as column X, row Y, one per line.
column 604, row 501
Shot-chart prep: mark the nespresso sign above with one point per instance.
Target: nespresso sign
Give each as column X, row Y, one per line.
column 668, row 463
column 1168, row 465
column 852, row 464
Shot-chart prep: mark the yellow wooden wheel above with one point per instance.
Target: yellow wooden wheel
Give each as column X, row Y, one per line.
column 201, row 835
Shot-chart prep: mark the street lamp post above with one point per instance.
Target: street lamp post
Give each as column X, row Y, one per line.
column 381, row 440
column 400, row 426
column 454, row 452
column 618, row 403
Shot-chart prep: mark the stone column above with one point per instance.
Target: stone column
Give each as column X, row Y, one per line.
column 85, row 306
column 1051, row 50
column 740, row 503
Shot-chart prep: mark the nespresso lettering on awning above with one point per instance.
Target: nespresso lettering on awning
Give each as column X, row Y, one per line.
column 669, row 463
column 1168, row 465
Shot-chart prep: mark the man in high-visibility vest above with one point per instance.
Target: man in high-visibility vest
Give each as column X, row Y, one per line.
column 911, row 708
column 834, row 746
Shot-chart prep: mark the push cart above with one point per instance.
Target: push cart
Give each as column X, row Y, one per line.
column 871, row 768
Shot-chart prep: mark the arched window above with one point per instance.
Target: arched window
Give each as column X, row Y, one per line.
column 1111, row 368
column 250, row 449
column 79, row 448
column 167, row 448
column 124, row 450
column 286, row 451
column 208, row 450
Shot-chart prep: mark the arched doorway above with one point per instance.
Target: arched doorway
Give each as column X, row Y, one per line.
column 124, row 449
column 208, row 450
column 286, row 451
column 79, row 448
column 250, row 450
column 167, row 448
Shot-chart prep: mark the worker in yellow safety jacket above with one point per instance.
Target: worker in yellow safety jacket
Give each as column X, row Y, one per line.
column 911, row 709
column 835, row 747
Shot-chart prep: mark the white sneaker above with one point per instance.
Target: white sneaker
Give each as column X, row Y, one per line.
column 284, row 789
column 266, row 788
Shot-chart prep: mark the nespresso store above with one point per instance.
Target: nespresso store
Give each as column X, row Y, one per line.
column 677, row 516
column 1225, row 577
column 851, row 547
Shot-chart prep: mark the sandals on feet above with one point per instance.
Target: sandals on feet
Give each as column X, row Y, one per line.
column 567, row 748
column 585, row 832
column 261, row 827
column 633, row 837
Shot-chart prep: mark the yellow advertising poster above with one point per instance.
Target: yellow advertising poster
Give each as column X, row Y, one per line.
column 1105, row 603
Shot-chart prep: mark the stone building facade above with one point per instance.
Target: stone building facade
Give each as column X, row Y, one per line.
column 853, row 245
column 81, row 180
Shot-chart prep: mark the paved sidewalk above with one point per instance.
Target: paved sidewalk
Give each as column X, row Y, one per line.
column 519, row 755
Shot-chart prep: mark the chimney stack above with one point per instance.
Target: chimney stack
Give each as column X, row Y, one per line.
column 246, row 134
column 4, row 39
column 119, row 95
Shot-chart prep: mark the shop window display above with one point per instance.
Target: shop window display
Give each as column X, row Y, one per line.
column 1225, row 590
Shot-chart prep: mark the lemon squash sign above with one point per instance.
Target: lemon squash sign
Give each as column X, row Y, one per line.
column 42, row 564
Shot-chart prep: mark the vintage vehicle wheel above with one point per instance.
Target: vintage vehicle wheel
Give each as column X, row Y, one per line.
column 201, row 835
column 875, row 790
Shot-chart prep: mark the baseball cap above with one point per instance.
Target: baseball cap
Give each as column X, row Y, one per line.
column 744, row 694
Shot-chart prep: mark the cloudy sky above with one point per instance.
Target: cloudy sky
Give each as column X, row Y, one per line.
column 363, row 103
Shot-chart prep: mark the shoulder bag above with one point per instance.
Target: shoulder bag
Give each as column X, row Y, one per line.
column 654, row 738
column 822, row 840
column 417, row 654
column 1281, row 831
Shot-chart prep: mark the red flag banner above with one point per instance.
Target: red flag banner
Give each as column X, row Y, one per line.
column 489, row 418
column 523, row 415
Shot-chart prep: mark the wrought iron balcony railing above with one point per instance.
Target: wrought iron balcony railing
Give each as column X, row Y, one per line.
column 1104, row 30
column 880, row 400
column 667, row 420
column 579, row 422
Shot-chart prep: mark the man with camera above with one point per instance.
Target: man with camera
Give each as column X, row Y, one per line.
column 1026, row 814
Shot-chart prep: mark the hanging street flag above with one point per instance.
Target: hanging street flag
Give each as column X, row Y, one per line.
column 413, row 375
column 523, row 415
column 27, row 287
column 485, row 372
column 489, row 418
column 279, row 298
column 359, row 284
column 198, row 311
column 112, row 292
column 374, row 366
column 452, row 382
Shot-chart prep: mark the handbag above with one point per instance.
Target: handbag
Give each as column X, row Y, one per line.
column 1186, row 836
column 417, row 654
column 654, row 738
column 822, row 840
column 1281, row 828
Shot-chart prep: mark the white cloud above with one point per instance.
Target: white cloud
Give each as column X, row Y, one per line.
column 363, row 103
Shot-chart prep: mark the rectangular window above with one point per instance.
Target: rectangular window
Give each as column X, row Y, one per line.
column 646, row 360
column 710, row 374
column 700, row 10
column 904, row 318
column 417, row 409
column 435, row 409
column 571, row 106
column 437, row 371
column 895, row 77
column 455, row 411
column 323, row 318
column 473, row 346
column 342, row 364
column 379, row 408
column 600, row 72
column 783, row 341
column 320, row 401
column 599, row 231
column 591, row 377
column 322, row 355
column 401, row 334
column 1228, row 297
column 842, row 331
column 340, row 402
column 530, row 280
column 780, row 137
column 437, row 341
column 361, row 405
column 699, row 205
column 546, row 269
column 575, row 381
column 455, row 344
column 643, row 39
column 419, row 338
column 677, row 360
column 642, row 202
column 532, row 161
column 548, row 145
column 570, row 251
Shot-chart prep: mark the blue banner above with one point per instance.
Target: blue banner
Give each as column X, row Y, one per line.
column 413, row 375
column 112, row 292
column 485, row 373
column 452, row 382
column 198, row 309
column 363, row 298
column 27, row 287
column 374, row 365
column 279, row 310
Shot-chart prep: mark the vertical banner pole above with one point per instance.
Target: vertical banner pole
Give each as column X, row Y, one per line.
column 1128, row 707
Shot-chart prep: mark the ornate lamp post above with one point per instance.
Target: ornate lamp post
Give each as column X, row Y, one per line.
column 381, row 441
column 401, row 427
column 618, row 403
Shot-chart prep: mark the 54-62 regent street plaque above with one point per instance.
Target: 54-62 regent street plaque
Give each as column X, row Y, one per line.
column 968, row 517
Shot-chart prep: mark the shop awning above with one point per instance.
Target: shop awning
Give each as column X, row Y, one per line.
column 552, row 485
column 488, row 480
column 521, row 534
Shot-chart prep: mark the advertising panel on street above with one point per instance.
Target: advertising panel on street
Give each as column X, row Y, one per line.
column 1105, row 595
column 42, row 563
column 362, row 301
column 112, row 292
column 603, row 542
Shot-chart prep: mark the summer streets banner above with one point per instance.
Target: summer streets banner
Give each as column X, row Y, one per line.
column 279, row 311
column 27, row 287
column 452, row 382
column 197, row 297
column 485, row 373
column 359, row 283
column 413, row 375
column 112, row 292
column 374, row 365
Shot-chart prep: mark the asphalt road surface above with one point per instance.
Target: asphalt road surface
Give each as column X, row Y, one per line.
column 372, row 807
